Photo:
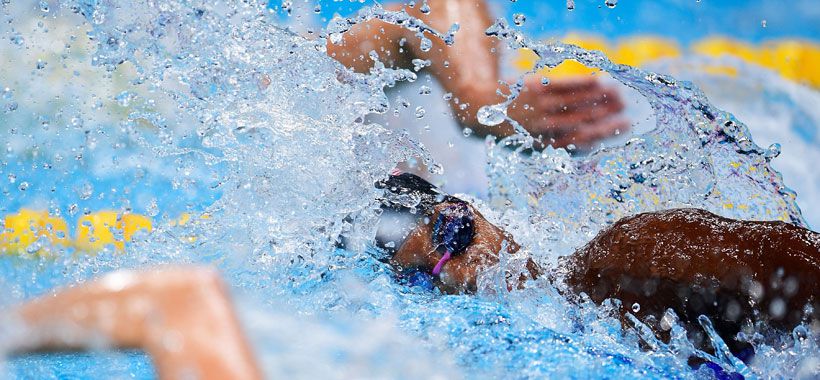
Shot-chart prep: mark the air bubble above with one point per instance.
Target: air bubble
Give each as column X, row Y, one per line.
column 420, row 112
column 636, row 307
column 611, row 3
column 519, row 19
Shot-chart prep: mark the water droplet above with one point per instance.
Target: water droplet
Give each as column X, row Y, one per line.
column 492, row 115
column 287, row 6
column 424, row 8
column 420, row 112
column 519, row 19
column 611, row 3
column 17, row 39
column 124, row 98
column 41, row 64
column 44, row 6
column 153, row 209
column 85, row 191
column 425, row 44
column 636, row 307
column 23, row 186
column 12, row 178
column 772, row 151
column 467, row 132
column 419, row 64
column 570, row 5
column 424, row 90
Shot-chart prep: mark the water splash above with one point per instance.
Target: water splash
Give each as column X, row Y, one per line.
column 214, row 105
column 696, row 156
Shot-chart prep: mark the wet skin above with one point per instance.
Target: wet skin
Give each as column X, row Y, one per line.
column 459, row 273
column 689, row 260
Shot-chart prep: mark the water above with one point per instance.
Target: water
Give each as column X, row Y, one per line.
column 215, row 110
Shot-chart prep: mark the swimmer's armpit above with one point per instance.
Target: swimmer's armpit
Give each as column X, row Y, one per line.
column 182, row 317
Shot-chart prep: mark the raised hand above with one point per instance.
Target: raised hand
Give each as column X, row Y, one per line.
column 578, row 111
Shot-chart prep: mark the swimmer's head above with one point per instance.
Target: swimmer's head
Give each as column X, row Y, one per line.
column 403, row 187
column 424, row 251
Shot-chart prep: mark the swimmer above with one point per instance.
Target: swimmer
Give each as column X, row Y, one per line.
column 579, row 111
column 687, row 260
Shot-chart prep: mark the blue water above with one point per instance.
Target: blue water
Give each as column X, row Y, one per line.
column 281, row 170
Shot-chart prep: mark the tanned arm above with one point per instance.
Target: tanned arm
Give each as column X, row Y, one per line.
column 182, row 317
column 578, row 111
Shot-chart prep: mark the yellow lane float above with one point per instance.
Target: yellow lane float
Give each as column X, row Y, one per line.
column 34, row 231
column 95, row 231
column 796, row 60
column 22, row 230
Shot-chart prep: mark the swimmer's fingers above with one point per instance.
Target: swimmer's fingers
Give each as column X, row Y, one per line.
column 587, row 135
column 575, row 111
column 603, row 97
column 573, row 84
column 566, row 121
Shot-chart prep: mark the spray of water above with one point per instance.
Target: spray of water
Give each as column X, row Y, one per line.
column 255, row 129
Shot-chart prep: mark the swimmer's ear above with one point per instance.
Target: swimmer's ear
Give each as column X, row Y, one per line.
column 416, row 251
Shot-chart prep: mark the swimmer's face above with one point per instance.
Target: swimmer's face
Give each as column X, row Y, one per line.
column 458, row 274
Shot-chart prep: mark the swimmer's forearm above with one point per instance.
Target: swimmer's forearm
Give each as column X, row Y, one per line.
column 469, row 69
column 181, row 317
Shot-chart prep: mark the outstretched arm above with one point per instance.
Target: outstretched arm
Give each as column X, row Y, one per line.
column 182, row 317
column 577, row 111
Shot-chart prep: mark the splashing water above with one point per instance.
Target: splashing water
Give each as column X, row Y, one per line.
column 213, row 109
column 696, row 156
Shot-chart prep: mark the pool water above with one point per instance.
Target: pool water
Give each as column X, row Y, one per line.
column 159, row 110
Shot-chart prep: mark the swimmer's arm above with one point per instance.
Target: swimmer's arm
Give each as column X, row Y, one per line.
column 469, row 69
column 182, row 317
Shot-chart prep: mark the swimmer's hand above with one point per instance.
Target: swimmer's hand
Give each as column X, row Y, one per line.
column 579, row 111
column 458, row 274
column 182, row 317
